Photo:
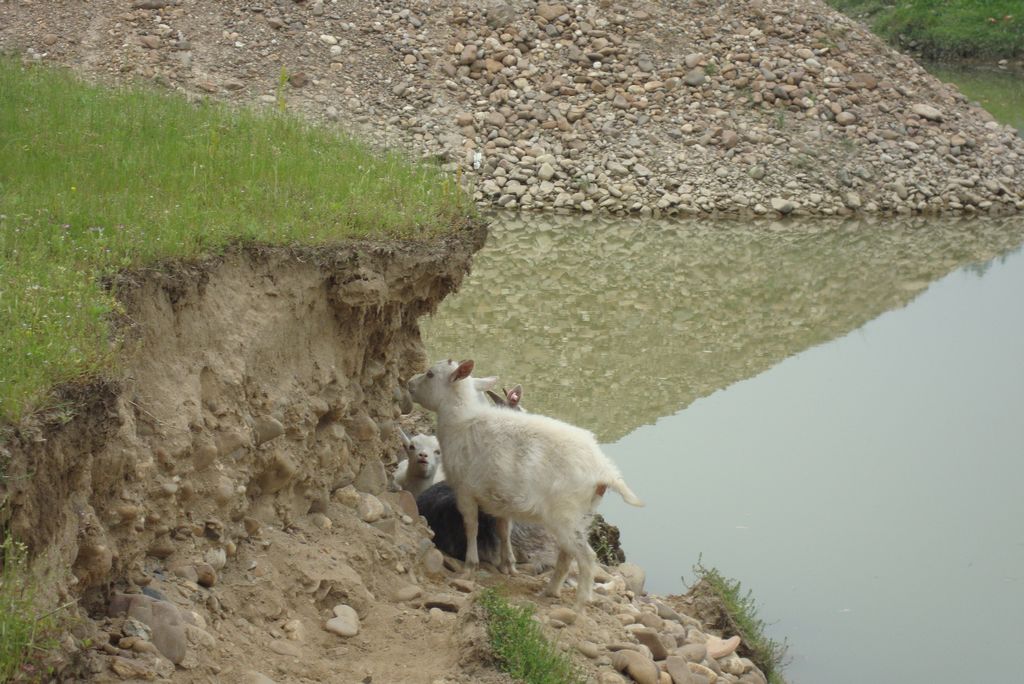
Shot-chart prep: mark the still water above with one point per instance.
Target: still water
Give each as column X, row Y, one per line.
column 1000, row 91
column 832, row 413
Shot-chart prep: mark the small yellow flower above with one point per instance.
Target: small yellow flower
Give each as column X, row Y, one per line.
column 73, row 188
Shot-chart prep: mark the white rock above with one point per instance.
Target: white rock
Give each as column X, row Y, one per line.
column 345, row 621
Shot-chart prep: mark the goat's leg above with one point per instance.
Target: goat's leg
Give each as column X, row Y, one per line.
column 554, row 587
column 468, row 508
column 585, row 558
column 508, row 556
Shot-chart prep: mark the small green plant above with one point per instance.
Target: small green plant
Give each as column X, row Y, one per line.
column 741, row 609
column 25, row 636
column 520, row 648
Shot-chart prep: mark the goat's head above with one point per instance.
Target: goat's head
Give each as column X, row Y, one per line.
column 423, row 453
column 444, row 384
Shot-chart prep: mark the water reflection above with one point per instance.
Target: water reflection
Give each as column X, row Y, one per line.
column 611, row 324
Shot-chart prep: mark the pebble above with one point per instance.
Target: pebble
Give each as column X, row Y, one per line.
column 408, row 593
column 719, row 648
column 564, row 615
column 433, row 562
column 641, row 669
column 634, row 575
column 693, row 652
column 463, row 585
column 652, row 640
column 927, row 112
column 286, row 648
column 370, row 509
column 345, row 621
column 588, row 648
column 679, row 670
column 162, row 617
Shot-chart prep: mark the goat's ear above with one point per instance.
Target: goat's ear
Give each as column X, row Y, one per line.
column 405, row 438
column 496, row 398
column 485, row 384
column 514, row 396
column 462, row 372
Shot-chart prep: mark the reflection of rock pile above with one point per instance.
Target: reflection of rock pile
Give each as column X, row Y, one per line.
column 615, row 324
column 738, row 106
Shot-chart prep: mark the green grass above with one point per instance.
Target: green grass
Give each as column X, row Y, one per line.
column 766, row 653
column 943, row 29
column 25, row 638
column 94, row 180
column 520, row 648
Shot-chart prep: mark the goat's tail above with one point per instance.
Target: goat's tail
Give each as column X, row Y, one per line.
column 619, row 485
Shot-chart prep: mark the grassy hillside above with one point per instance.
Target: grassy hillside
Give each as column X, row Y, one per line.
column 94, row 180
column 945, row 28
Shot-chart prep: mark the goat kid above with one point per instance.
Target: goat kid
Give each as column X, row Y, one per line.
column 518, row 466
column 422, row 465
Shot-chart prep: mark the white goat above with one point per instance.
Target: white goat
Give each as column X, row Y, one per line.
column 422, row 465
column 521, row 466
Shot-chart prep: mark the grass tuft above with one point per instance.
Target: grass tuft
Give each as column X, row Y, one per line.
column 94, row 180
column 520, row 648
column 942, row 29
column 766, row 653
column 25, row 639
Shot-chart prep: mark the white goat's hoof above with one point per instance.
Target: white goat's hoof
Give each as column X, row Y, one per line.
column 508, row 569
column 553, row 593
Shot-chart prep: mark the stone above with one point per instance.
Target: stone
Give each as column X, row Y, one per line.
column 348, row 496
column 927, row 112
column 463, row 585
column 267, row 428
column 703, row 671
column 588, row 648
column 286, row 648
column 433, row 562
column 216, row 558
column 719, row 648
column 500, row 14
column 634, row 575
column 641, row 668
column 694, row 77
column 206, row 575
column 652, row 640
column 546, row 171
column 372, row 477
column 551, row 12
column 846, row 118
column 370, row 508
column 852, row 200
column 693, row 652
column 408, row 592
column 163, row 619
column 345, row 621
column 782, row 205
column 254, row 677
column 677, row 668
column 130, row 668
column 562, row 614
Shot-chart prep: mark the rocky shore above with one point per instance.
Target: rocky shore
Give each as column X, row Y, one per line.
column 699, row 108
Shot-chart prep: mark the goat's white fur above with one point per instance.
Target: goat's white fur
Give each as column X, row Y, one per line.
column 518, row 466
column 422, row 465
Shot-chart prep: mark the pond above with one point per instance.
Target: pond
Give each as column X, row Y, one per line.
column 1000, row 91
column 828, row 411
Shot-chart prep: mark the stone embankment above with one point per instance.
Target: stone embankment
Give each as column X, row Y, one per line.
column 735, row 107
